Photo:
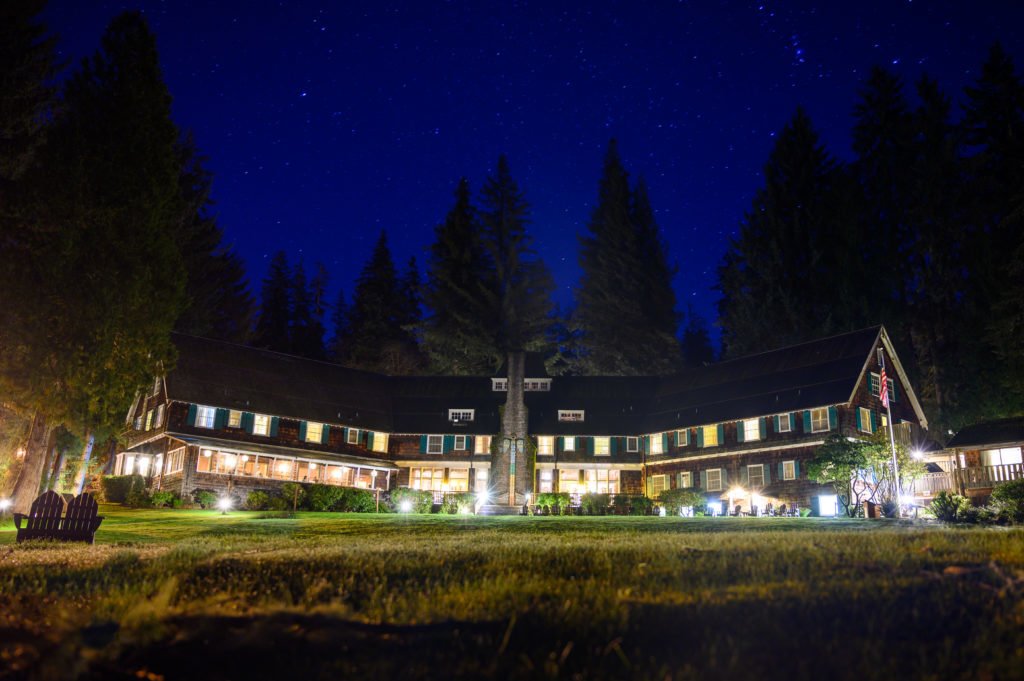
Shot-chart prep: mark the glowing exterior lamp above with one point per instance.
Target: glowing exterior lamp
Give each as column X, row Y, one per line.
column 917, row 454
column 405, row 506
column 5, row 505
column 224, row 504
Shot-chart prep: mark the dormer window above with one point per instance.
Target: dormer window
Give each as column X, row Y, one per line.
column 570, row 414
column 537, row 384
column 499, row 385
column 461, row 415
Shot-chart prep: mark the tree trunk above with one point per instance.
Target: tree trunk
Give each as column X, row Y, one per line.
column 46, row 480
column 58, row 470
column 26, row 489
column 84, row 469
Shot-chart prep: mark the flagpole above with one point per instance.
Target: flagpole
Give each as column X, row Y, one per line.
column 892, row 438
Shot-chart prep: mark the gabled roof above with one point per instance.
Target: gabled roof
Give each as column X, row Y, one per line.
column 989, row 434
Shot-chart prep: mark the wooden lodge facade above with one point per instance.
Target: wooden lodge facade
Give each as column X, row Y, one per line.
column 231, row 419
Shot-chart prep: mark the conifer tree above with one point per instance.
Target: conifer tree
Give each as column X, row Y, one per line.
column 305, row 330
column 339, row 322
column 697, row 348
column 455, row 336
column 273, row 329
column 625, row 302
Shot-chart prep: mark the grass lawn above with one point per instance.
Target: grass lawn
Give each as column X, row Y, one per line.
column 194, row 594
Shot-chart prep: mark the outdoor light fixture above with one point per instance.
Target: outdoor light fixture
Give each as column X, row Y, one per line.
column 917, row 454
column 662, row 512
column 405, row 506
column 224, row 504
column 5, row 505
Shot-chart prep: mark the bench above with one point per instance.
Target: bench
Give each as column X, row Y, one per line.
column 51, row 518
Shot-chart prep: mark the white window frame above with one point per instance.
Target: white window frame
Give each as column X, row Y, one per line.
column 156, row 385
column 499, row 385
column 380, row 442
column 569, row 443
column 683, row 437
column 663, row 478
column 461, row 415
column 632, row 444
column 874, row 383
column 537, row 384
column 482, row 444
column 685, row 479
column 353, row 436
column 814, row 421
column 234, row 418
column 460, row 443
column 602, row 446
column 439, row 440
column 205, row 416
column 149, row 420
column 784, row 423
column 789, row 470
column 545, row 445
column 311, row 427
column 747, row 423
column 865, row 420
column 713, row 429
column 571, row 415
column 750, row 470
column 260, row 424
column 717, row 487
column 158, row 419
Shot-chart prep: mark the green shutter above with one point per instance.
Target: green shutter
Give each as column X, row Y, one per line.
column 782, row 473
column 471, row 443
column 589, row 445
column 647, row 444
column 767, row 473
column 833, row 418
column 762, row 427
column 860, row 425
column 874, row 421
column 664, row 442
column 448, row 444
column 775, row 423
column 725, row 478
column 191, row 418
column 700, row 436
column 796, row 469
column 807, row 421
column 248, row 420
column 613, row 443
column 792, row 421
column 274, row 423
column 704, row 479
column 220, row 419
column 423, row 443
column 892, row 392
column 740, row 434
column 369, row 440
column 559, row 444
column 721, row 434
column 744, row 475
column 325, row 435
column 302, row 431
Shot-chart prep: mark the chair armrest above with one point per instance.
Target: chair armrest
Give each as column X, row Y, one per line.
column 18, row 517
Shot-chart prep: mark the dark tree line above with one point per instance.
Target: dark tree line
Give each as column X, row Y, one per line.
column 922, row 231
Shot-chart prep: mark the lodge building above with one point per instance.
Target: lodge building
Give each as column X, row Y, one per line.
column 230, row 419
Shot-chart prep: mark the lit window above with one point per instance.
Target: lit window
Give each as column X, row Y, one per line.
column 602, row 481
column 260, row 424
column 499, row 384
column 128, row 465
column 632, row 444
column 156, row 385
column 314, row 431
column 751, row 430
column 685, row 480
column 657, row 443
column 570, row 414
column 137, row 423
column 865, row 420
column 427, row 478
column 380, row 442
column 482, row 444
column 535, row 384
column 570, row 444
column 755, row 475
column 714, row 479
column 158, row 419
column 353, row 436
column 874, row 381
column 435, row 444
column 234, row 419
column 784, row 424
column 602, row 446
column 546, row 477
column 460, row 443
column 789, row 470
column 656, row 484
column 1001, row 457
column 481, row 480
column 545, row 445
column 205, row 416
column 149, row 419
column 460, row 415
column 682, row 438
column 710, row 436
column 819, row 420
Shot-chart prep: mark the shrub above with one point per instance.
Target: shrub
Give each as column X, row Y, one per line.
column 595, row 504
column 950, row 507
column 554, row 503
column 205, row 498
column 890, row 509
column 164, row 499
column 1008, row 500
column 320, row 497
column 138, row 496
column 257, row 500
column 459, row 502
column 356, row 501
column 675, row 500
column 422, row 501
column 632, row 504
column 279, row 504
column 115, row 488
column 294, row 494
column 805, row 512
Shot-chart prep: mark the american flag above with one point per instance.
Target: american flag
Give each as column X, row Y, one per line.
column 883, row 390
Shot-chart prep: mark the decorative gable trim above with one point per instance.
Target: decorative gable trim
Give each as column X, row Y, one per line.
column 869, row 361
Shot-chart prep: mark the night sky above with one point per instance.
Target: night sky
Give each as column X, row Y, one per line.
column 327, row 122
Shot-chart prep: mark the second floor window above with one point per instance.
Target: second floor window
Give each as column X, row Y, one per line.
column 314, row 431
column 205, row 416
column 570, row 444
column 656, row 444
column 460, row 443
column 545, row 445
column 751, row 430
column 710, row 436
column 435, row 444
column 149, row 419
column 632, row 444
column 819, row 420
column 602, row 446
column 353, row 436
column 234, row 419
column 260, row 424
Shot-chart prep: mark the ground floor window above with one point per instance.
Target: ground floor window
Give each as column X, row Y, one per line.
column 426, row 478
column 999, row 457
column 175, row 460
column 546, row 481
column 656, row 484
column 755, row 475
column 714, row 479
column 481, row 480
column 602, row 481
column 685, row 480
column 458, row 480
column 284, row 468
column 828, row 505
column 789, row 470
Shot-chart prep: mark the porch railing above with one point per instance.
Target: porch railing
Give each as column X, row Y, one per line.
column 931, row 483
column 983, row 477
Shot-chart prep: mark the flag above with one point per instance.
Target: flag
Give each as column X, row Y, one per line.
column 883, row 390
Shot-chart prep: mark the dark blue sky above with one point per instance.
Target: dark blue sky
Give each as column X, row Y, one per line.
column 327, row 122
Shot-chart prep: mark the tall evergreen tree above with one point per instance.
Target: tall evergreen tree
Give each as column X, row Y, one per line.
column 306, row 331
column 794, row 272
column 697, row 348
column 625, row 302
column 273, row 329
column 219, row 303
column 517, row 292
column 455, row 335
column 339, row 322
column 99, row 280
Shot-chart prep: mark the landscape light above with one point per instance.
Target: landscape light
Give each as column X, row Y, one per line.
column 481, row 497
column 917, row 454
column 405, row 506
column 662, row 512
column 4, row 504
column 224, row 504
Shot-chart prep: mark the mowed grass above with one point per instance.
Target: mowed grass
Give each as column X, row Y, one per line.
column 194, row 594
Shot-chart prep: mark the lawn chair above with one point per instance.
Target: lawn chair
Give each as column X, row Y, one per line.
column 46, row 519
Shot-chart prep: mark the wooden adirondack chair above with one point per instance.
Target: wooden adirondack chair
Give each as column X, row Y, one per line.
column 46, row 519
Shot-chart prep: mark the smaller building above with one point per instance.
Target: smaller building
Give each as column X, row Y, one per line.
column 985, row 454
